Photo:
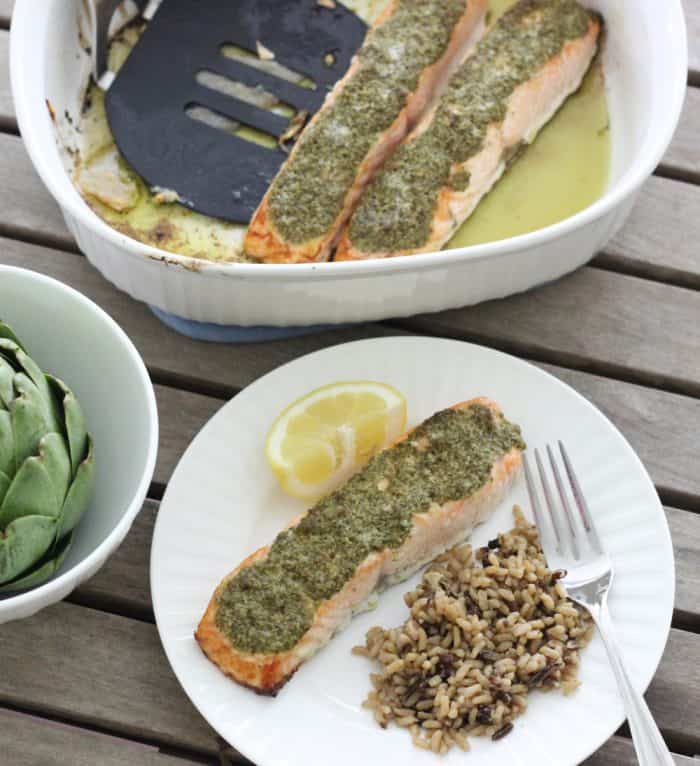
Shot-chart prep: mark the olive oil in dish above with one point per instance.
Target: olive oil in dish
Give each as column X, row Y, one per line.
column 562, row 172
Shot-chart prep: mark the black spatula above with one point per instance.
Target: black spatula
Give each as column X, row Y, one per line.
column 147, row 104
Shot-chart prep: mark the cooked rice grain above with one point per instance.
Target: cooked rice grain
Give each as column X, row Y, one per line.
column 484, row 629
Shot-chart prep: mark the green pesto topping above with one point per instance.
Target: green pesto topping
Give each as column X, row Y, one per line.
column 397, row 210
column 309, row 193
column 268, row 606
column 460, row 180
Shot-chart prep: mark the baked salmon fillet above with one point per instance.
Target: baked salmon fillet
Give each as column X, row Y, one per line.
column 404, row 61
column 408, row 504
column 518, row 76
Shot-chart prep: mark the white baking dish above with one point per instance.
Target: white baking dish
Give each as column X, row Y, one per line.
column 645, row 63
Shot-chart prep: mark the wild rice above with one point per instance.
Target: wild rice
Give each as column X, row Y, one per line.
column 484, row 629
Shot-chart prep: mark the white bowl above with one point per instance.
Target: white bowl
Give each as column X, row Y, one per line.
column 71, row 337
column 645, row 63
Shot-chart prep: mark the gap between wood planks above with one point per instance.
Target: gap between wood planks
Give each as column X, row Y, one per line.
column 617, row 750
column 184, row 754
column 679, row 743
column 677, row 174
column 568, row 360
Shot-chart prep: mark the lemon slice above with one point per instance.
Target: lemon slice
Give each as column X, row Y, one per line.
column 321, row 439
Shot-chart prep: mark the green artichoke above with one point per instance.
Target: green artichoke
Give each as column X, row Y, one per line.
column 47, row 468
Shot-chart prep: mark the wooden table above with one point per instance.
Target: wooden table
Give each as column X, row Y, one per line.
column 85, row 682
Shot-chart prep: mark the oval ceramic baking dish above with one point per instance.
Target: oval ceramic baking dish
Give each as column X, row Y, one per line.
column 645, row 62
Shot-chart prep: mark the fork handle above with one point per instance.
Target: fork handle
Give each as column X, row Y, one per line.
column 648, row 742
column 101, row 12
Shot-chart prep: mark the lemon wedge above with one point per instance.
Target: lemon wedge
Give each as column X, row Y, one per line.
column 321, row 439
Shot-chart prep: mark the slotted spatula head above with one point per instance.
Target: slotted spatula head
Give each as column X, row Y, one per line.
column 212, row 171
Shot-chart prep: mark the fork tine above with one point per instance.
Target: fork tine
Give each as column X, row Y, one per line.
column 534, row 499
column 568, row 513
column 581, row 503
column 549, row 542
column 549, row 499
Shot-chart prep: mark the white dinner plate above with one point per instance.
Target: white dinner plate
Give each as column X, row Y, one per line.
column 223, row 502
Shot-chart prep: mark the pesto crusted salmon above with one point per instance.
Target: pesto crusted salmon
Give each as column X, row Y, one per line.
column 408, row 504
column 516, row 79
column 404, row 61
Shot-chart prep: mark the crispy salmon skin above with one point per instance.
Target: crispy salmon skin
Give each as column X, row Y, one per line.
column 518, row 76
column 407, row 505
column 403, row 62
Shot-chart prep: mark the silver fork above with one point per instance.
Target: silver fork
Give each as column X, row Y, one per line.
column 570, row 542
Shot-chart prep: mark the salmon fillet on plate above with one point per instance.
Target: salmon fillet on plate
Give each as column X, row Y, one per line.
column 516, row 79
column 409, row 503
column 404, row 62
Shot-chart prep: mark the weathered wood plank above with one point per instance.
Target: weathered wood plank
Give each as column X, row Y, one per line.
column 609, row 323
column 29, row 741
column 641, row 413
column 100, row 669
column 7, row 109
column 112, row 673
column 644, row 415
column 6, row 7
column 28, row 210
column 683, row 155
column 224, row 367
column 181, row 415
column 685, row 533
column 618, row 751
column 674, row 694
column 124, row 582
column 658, row 239
column 692, row 20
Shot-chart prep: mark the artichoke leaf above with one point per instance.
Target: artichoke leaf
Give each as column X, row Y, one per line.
column 74, row 421
column 7, row 445
column 23, row 544
column 4, row 486
column 53, row 453
column 7, row 387
column 31, row 370
column 31, row 493
column 44, row 569
column 47, row 468
column 6, row 332
column 47, row 395
column 79, row 494
column 31, row 420
column 9, row 350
